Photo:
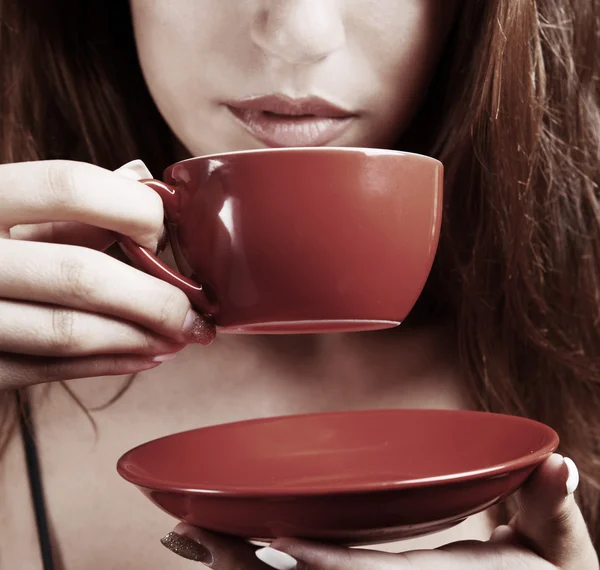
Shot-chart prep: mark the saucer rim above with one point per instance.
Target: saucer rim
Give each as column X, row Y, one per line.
column 550, row 444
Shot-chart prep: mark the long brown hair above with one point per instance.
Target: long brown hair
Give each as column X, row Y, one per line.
column 514, row 114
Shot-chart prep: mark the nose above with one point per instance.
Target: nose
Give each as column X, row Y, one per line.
column 299, row 31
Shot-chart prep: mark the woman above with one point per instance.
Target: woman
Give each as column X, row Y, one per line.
column 505, row 93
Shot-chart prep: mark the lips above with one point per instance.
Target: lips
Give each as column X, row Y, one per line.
column 283, row 122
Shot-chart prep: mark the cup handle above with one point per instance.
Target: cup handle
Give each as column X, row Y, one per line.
column 148, row 262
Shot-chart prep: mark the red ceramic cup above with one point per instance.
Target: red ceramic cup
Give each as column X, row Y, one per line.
column 295, row 240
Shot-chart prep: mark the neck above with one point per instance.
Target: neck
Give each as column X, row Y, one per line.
column 403, row 367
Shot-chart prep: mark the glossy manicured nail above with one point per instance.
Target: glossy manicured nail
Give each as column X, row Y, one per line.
column 573, row 477
column 135, row 169
column 187, row 548
column 163, row 357
column 198, row 329
column 276, row 559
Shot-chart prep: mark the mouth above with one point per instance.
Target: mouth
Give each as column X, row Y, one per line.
column 279, row 121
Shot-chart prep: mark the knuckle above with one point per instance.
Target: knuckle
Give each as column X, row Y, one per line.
column 146, row 342
column 62, row 184
column 106, row 365
column 62, row 336
column 564, row 521
column 77, row 274
column 172, row 309
column 11, row 373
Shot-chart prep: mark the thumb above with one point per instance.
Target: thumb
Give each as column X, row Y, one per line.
column 137, row 170
column 549, row 519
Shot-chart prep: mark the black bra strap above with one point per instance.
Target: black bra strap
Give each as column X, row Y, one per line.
column 35, row 479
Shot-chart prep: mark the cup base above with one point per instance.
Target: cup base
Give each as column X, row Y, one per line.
column 309, row 326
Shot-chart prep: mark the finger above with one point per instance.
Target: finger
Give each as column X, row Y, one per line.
column 45, row 330
column 91, row 281
column 505, row 534
column 213, row 550
column 73, row 233
column 228, row 553
column 68, row 233
column 135, row 170
column 59, row 191
column 308, row 555
column 549, row 518
column 468, row 555
column 20, row 371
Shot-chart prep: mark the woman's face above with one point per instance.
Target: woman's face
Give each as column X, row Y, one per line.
column 238, row 74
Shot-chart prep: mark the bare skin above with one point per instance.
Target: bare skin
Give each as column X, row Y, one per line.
column 235, row 378
column 69, row 312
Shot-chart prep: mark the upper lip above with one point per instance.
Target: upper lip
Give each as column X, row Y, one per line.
column 283, row 105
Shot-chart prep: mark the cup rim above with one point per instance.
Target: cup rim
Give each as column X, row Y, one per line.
column 311, row 149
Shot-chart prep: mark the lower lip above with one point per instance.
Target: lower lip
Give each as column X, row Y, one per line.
column 286, row 131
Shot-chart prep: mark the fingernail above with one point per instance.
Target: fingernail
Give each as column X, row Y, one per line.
column 573, row 476
column 163, row 357
column 187, row 548
column 502, row 533
column 135, row 169
column 198, row 329
column 135, row 367
column 276, row 559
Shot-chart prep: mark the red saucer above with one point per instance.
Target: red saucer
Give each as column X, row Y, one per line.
column 349, row 477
